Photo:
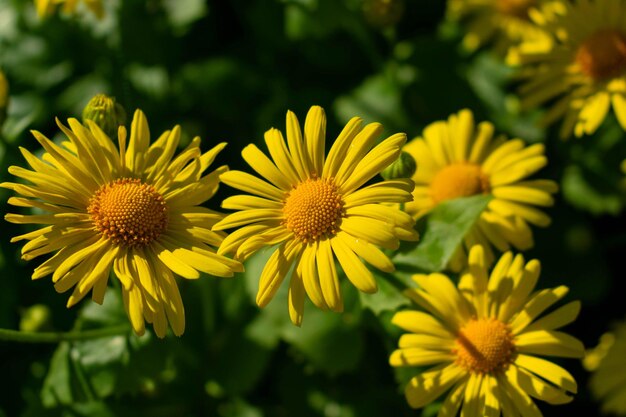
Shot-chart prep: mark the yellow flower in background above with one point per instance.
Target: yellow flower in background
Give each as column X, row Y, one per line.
column 606, row 362
column 580, row 69
column 135, row 209
column 484, row 338
column 316, row 209
column 48, row 7
column 501, row 22
column 456, row 158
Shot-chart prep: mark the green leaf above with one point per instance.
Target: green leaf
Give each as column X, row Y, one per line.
column 378, row 99
column 388, row 297
column 490, row 78
column 242, row 362
column 95, row 369
column 239, row 408
column 446, row 226
column 581, row 191
column 331, row 342
column 182, row 13
column 57, row 387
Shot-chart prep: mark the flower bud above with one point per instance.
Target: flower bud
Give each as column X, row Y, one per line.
column 106, row 113
column 403, row 167
column 35, row 318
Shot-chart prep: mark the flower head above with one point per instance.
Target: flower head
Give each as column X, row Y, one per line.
column 455, row 159
column 485, row 338
column 606, row 362
column 48, row 7
column 579, row 68
column 135, row 210
column 316, row 209
column 501, row 22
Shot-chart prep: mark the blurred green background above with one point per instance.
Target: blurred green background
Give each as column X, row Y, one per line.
column 228, row 70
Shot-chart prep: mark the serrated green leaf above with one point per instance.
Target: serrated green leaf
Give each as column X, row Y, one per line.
column 445, row 228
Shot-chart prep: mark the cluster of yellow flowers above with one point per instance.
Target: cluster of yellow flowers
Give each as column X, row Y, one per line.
column 136, row 208
column 571, row 54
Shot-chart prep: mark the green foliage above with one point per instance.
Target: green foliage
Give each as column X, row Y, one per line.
column 444, row 230
column 228, row 71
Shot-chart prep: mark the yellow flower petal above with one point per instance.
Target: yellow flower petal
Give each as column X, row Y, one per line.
column 419, row 357
column 337, row 153
column 431, row 384
column 329, row 281
column 550, row 343
column 315, row 137
column 296, row 298
column 265, row 167
column 357, row 273
column 421, row 323
column 548, row 371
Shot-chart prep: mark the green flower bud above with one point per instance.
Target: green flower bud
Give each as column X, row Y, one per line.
column 106, row 113
column 403, row 167
column 35, row 318
column 4, row 98
column 383, row 13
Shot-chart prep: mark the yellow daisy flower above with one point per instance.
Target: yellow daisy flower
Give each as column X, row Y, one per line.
column 135, row 210
column 580, row 69
column 484, row 338
column 608, row 379
column 502, row 22
column 48, row 7
column 455, row 159
column 316, row 209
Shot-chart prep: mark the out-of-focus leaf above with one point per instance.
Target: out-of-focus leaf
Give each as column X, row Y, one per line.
column 110, row 313
column 57, row 387
column 94, row 369
column 579, row 190
column 446, row 225
column 76, row 96
column 318, row 19
column 490, row 78
column 242, row 363
column 378, row 99
column 90, row 409
column 239, row 408
column 24, row 109
column 325, row 405
column 182, row 13
column 101, row 360
column 330, row 341
column 152, row 81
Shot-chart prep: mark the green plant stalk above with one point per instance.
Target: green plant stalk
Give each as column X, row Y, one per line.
column 9, row 335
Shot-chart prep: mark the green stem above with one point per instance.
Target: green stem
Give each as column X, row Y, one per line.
column 8, row 335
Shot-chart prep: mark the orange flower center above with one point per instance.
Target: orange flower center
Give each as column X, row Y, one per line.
column 458, row 180
column 484, row 346
column 129, row 212
column 603, row 54
column 515, row 8
column 313, row 209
